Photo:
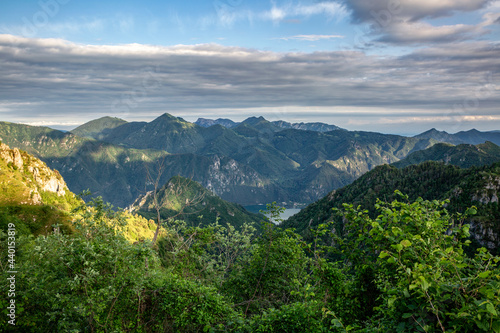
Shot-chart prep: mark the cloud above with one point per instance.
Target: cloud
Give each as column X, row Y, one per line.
column 425, row 33
column 311, row 38
column 414, row 10
column 280, row 13
column 403, row 22
column 54, row 78
column 289, row 13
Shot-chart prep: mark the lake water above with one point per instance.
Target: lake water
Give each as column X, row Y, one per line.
column 288, row 211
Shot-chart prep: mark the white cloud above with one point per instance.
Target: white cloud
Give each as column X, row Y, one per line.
column 423, row 32
column 280, row 13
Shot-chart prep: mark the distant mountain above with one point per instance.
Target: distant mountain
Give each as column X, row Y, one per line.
column 187, row 200
column 203, row 122
column 464, row 155
column 318, row 127
column 472, row 136
column 479, row 186
column 475, row 137
column 99, row 128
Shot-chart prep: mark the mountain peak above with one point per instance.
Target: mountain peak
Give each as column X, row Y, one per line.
column 98, row 128
column 433, row 131
column 168, row 116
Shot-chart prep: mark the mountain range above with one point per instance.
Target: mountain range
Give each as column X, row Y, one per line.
column 251, row 162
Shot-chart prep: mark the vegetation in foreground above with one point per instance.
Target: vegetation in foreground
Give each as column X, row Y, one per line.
column 403, row 271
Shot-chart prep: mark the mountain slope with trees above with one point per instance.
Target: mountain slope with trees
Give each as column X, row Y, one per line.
column 479, row 186
column 184, row 199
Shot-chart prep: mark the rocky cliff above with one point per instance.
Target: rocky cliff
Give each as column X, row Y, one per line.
column 25, row 179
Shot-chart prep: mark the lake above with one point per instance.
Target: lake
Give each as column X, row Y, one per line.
column 288, row 211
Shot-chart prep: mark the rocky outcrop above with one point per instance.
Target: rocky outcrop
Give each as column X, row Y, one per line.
column 11, row 156
column 490, row 191
column 24, row 178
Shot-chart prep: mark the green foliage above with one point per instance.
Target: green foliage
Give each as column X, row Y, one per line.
column 404, row 270
column 423, row 279
column 274, row 274
column 192, row 307
column 294, row 318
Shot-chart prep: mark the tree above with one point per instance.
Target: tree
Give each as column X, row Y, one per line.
column 176, row 186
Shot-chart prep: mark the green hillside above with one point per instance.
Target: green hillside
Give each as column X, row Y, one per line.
column 98, row 129
column 32, row 196
column 185, row 199
column 479, row 186
column 463, row 155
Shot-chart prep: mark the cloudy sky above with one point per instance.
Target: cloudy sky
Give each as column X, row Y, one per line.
column 392, row 66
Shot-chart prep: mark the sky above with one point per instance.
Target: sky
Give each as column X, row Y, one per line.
column 390, row 66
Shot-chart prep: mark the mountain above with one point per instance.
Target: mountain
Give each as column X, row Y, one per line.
column 99, row 128
column 472, row 136
column 281, row 158
column 228, row 123
column 318, row 127
column 440, row 136
column 255, row 162
column 187, row 200
column 203, row 122
column 475, row 137
column 479, row 186
column 464, row 155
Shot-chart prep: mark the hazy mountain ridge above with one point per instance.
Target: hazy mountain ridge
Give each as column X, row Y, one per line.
column 472, row 136
column 228, row 123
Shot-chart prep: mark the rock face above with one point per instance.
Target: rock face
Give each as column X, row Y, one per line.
column 12, row 156
column 23, row 178
column 490, row 191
